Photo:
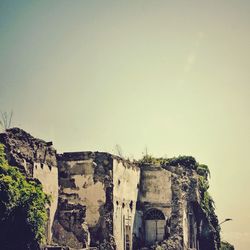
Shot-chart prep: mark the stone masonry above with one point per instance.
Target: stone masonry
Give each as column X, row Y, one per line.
column 103, row 201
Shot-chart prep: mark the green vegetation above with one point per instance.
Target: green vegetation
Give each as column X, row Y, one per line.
column 203, row 170
column 207, row 202
column 186, row 161
column 23, row 212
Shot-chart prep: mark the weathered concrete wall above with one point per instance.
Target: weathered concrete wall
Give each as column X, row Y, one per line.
column 37, row 159
column 126, row 179
column 85, row 179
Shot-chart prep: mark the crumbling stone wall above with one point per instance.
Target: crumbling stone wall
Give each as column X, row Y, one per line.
column 106, row 187
column 184, row 191
column 154, row 193
column 188, row 221
column 178, row 197
column 36, row 159
column 104, row 199
column 86, row 183
column 126, row 179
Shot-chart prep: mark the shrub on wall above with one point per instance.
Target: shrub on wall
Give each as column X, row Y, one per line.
column 23, row 212
column 185, row 161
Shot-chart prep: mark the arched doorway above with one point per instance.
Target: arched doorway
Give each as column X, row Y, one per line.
column 155, row 223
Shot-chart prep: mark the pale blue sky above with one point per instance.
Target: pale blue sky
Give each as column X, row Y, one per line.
column 172, row 76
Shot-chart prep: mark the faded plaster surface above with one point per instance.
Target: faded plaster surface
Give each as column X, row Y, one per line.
column 85, row 180
column 155, row 185
column 155, row 192
column 126, row 179
column 90, row 194
column 48, row 176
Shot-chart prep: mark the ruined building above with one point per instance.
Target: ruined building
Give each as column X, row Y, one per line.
column 103, row 201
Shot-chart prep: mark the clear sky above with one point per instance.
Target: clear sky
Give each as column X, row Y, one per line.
column 169, row 76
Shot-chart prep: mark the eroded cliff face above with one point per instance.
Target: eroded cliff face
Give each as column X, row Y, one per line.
column 36, row 159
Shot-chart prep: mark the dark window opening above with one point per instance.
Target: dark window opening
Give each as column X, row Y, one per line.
column 131, row 205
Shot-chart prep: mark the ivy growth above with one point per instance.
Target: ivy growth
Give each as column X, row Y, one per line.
column 23, row 212
column 185, row 161
column 207, row 202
